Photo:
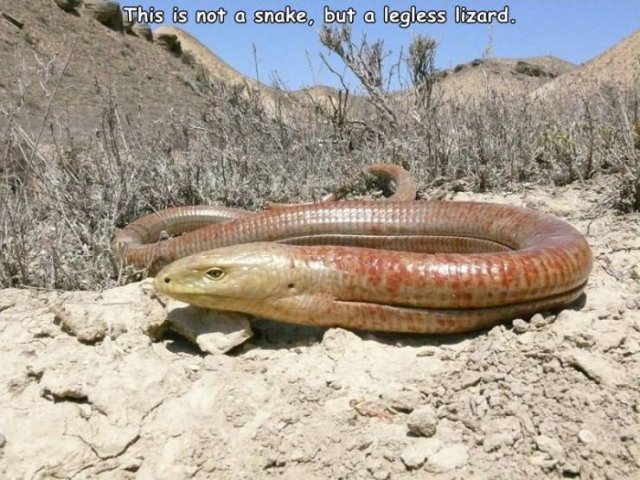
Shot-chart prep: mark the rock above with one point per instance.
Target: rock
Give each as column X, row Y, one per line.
column 107, row 12
column 428, row 351
column 68, row 5
column 423, row 421
column 212, row 330
column 520, row 326
column 92, row 316
column 402, row 401
column 501, row 432
column 3, row 440
column 6, row 304
column 377, row 469
column 538, row 321
column 84, row 321
column 448, row 458
column 631, row 346
column 339, row 340
column 414, row 455
column 635, row 272
column 13, row 20
column 469, row 379
column 595, row 367
column 169, row 42
column 550, row 446
column 127, row 24
column 142, row 30
column 542, row 460
column 60, row 386
column 571, row 470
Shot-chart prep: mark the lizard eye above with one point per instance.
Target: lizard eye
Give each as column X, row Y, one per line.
column 215, row 273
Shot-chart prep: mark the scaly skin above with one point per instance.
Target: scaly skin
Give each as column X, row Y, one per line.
column 521, row 262
column 138, row 244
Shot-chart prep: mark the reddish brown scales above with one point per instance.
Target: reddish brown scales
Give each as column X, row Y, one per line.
column 541, row 262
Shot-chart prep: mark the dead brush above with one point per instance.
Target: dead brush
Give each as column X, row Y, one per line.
column 62, row 199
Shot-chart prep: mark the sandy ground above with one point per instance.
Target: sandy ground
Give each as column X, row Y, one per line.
column 86, row 393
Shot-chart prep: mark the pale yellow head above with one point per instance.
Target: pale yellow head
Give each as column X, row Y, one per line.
column 229, row 278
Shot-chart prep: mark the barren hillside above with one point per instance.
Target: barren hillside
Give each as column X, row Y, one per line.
column 480, row 78
column 619, row 65
column 148, row 83
column 287, row 102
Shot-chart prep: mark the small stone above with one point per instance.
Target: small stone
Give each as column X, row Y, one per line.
column 631, row 346
column 414, row 455
column 526, row 338
column 538, row 321
column 85, row 411
column 520, row 326
column 213, row 331
column 132, row 464
column 595, row 366
column 339, row 340
column 68, row 5
column 628, row 435
column 426, row 352
column 59, row 386
column 404, row 401
column 550, row 445
column 585, row 453
column 448, row 458
column 635, row 272
column 297, row 455
column 542, row 460
column 470, row 379
column 81, row 320
column 377, row 469
column 3, row 440
column 586, row 437
column 584, row 340
column 423, row 421
column 359, row 443
column 571, row 470
column 6, row 304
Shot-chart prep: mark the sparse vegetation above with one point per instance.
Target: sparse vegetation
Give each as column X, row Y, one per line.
column 532, row 70
column 63, row 201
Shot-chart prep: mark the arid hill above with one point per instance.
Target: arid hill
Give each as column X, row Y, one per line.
column 496, row 76
column 473, row 79
column 150, row 84
column 146, row 81
column 619, row 65
column 274, row 99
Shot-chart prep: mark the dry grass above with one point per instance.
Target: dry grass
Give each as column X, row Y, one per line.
column 61, row 203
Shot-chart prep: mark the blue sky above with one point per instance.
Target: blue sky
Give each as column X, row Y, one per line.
column 574, row 30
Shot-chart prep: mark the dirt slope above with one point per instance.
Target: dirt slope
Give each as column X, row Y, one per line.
column 619, row 65
column 288, row 103
column 499, row 76
column 148, row 83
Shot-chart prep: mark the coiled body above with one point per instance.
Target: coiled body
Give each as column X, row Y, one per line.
column 406, row 266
